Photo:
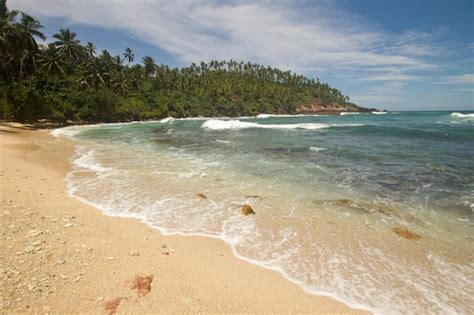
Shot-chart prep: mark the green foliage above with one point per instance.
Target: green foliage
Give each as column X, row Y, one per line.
column 67, row 80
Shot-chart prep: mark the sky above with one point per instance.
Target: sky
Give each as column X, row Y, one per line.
column 395, row 55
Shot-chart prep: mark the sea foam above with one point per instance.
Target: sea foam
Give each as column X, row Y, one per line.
column 216, row 124
column 166, row 120
column 459, row 115
column 316, row 149
column 66, row 132
column 349, row 113
column 286, row 116
column 159, row 188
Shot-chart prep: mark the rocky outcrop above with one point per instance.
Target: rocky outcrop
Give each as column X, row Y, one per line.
column 316, row 107
column 247, row 210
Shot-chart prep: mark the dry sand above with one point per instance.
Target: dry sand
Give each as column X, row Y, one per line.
column 59, row 255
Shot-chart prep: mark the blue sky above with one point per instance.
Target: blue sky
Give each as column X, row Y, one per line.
column 398, row 55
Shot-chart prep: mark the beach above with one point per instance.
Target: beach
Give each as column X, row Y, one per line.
column 62, row 256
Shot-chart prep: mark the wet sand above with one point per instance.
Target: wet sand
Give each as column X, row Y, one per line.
column 60, row 255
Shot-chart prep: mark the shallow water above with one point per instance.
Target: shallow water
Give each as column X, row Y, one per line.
column 328, row 192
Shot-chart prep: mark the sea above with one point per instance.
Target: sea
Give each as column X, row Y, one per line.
column 329, row 193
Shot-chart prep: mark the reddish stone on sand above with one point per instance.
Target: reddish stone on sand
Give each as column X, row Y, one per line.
column 142, row 284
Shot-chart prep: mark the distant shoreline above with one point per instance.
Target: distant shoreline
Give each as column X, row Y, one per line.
column 52, row 124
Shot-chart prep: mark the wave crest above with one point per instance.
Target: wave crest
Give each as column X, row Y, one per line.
column 460, row 115
column 284, row 116
column 215, row 124
column 349, row 113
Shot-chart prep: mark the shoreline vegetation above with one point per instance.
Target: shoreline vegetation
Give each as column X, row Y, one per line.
column 67, row 82
column 63, row 256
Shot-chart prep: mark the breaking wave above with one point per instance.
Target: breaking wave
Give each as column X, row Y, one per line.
column 216, row 124
column 459, row 115
column 349, row 113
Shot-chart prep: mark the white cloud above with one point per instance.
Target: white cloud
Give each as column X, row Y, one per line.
column 392, row 77
column 374, row 98
column 471, row 90
column 317, row 40
column 273, row 33
column 461, row 79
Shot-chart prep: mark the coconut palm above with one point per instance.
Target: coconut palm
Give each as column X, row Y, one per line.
column 106, row 57
column 31, row 26
column 120, row 83
column 95, row 73
column 17, row 43
column 50, row 61
column 91, row 49
column 128, row 54
column 149, row 64
column 68, row 46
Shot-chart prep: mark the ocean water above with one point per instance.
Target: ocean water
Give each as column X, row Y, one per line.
column 328, row 192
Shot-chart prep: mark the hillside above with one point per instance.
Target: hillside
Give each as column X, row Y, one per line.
column 67, row 80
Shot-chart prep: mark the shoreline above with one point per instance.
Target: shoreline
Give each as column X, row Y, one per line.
column 59, row 249
column 46, row 124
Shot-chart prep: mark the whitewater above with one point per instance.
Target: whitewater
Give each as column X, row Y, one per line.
column 328, row 192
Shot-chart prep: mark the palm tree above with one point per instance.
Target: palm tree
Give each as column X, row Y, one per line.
column 128, row 54
column 68, row 46
column 31, row 26
column 106, row 56
column 149, row 64
column 17, row 43
column 50, row 62
column 95, row 73
column 120, row 83
column 91, row 49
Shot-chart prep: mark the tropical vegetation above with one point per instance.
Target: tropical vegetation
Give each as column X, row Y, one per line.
column 66, row 80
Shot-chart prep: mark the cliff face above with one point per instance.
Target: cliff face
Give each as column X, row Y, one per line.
column 316, row 106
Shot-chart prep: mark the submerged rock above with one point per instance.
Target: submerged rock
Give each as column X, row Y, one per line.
column 406, row 234
column 247, row 209
column 252, row 196
column 344, row 202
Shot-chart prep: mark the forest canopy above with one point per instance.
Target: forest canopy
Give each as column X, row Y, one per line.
column 70, row 80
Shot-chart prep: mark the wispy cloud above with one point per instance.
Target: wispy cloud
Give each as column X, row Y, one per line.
column 392, row 77
column 318, row 40
column 273, row 33
column 467, row 78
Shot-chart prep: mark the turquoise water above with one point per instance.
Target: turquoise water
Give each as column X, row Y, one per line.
column 328, row 192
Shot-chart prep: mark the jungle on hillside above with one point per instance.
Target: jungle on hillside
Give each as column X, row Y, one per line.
column 66, row 79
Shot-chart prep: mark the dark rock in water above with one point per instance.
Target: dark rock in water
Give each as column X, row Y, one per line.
column 247, row 209
column 406, row 234
column 202, row 195
column 344, row 202
column 252, row 196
